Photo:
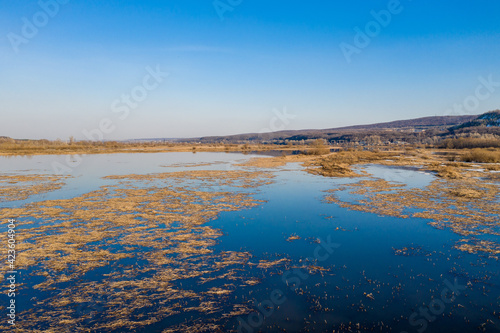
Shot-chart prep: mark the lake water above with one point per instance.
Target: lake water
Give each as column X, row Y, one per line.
column 358, row 280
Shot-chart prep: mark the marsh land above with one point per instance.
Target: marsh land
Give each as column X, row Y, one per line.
column 216, row 238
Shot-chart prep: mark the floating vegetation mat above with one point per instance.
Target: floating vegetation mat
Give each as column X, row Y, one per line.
column 134, row 254
column 468, row 206
column 21, row 187
column 193, row 165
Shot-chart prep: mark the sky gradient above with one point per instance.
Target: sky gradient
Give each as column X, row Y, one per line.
column 231, row 73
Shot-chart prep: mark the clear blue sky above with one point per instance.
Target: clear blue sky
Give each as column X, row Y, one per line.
column 226, row 76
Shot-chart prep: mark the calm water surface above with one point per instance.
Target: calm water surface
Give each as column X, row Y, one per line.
column 364, row 281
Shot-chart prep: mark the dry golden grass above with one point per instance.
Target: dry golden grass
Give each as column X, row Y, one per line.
column 275, row 162
column 124, row 221
column 445, row 171
column 268, row 264
column 465, row 192
column 58, row 147
column 468, row 206
column 318, row 147
column 339, row 164
column 482, row 156
column 461, row 143
column 21, row 187
column 157, row 220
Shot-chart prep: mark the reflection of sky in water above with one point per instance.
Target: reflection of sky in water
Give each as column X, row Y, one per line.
column 409, row 176
column 364, row 263
column 88, row 175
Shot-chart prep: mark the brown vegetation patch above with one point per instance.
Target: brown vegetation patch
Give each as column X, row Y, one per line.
column 235, row 178
column 467, row 206
column 475, row 245
column 21, row 187
column 157, row 224
column 292, row 238
column 469, row 142
column 482, row 156
column 59, row 147
column 339, row 164
column 275, row 162
column 466, row 193
column 269, row 264
column 445, row 171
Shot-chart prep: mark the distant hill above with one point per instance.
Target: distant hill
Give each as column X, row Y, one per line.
column 488, row 119
column 387, row 130
column 426, row 130
column 417, row 122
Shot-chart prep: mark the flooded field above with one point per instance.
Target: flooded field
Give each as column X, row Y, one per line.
column 217, row 242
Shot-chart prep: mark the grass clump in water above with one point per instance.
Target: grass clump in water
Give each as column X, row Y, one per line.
column 482, row 156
